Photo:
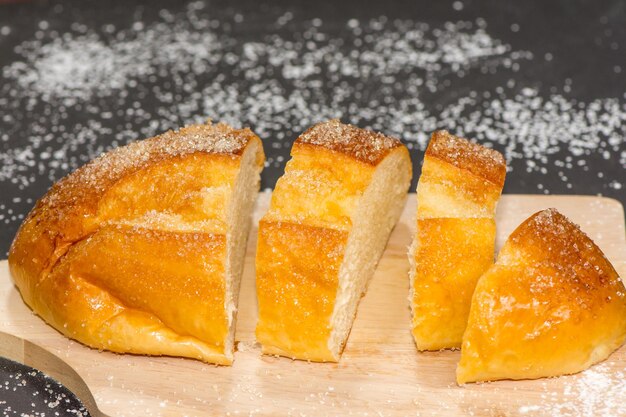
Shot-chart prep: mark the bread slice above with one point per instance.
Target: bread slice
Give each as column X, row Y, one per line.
column 454, row 244
column 552, row 304
column 329, row 220
column 141, row 250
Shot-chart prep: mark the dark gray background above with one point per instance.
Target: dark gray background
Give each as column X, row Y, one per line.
column 584, row 40
column 572, row 49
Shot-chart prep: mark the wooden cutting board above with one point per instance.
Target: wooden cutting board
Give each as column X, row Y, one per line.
column 380, row 373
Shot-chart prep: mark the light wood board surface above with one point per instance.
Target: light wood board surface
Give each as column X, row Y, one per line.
column 380, row 373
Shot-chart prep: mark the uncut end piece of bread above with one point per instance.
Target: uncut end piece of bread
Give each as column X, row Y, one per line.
column 141, row 250
column 454, row 242
column 552, row 304
column 329, row 221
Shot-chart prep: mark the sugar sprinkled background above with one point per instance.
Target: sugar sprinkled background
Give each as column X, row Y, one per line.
column 543, row 83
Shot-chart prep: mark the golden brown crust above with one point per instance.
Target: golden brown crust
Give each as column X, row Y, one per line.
column 147, row 277
column 445, row 190
column 549, row 239
column 450, row 257
column 74, row 206
column 87, row 185
column 363, row 145
column 550, row 285
column 459, row 179
column 148, row 194
column 548, row 236
column 479, row 160
column 320, row 187
column 296, row 298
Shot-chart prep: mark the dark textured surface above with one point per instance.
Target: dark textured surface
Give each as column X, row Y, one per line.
column 576, row 51
column 27, row 392
column 571, row 54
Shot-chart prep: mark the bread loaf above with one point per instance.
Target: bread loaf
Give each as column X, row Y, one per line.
column 552, row 304
column 141, row 250
column 330, row 217
column 454, row 243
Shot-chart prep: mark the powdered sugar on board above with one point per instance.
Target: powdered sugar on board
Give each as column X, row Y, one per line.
column 596, row 392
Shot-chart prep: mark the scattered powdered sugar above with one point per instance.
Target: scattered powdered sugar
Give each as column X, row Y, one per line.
column 597, row 392
column 75, row 94
column 73, row 68
column 374, row 73
column 81, row 66
column 531, row 128
column 277, row 83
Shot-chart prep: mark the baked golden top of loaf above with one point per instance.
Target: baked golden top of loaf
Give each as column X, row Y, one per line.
column 464, row 154
column 88, row 183
column 551, row 305
column 460, row 179
column 76, row 204
column 548, row 237
column 142, row 234
column 361, row 144
column 576, row 268
column 331, row 166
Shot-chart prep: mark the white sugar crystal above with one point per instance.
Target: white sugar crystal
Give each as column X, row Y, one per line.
column 84, row 91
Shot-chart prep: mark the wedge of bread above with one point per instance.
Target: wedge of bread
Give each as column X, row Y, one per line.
column 454, row 243
column 141, row 250
column 551, row 305
column 330, row 217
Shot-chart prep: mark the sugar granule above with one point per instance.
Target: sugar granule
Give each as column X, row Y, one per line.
column 72, row 95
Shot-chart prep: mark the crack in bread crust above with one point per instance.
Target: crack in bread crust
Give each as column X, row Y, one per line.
column 173, row 188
